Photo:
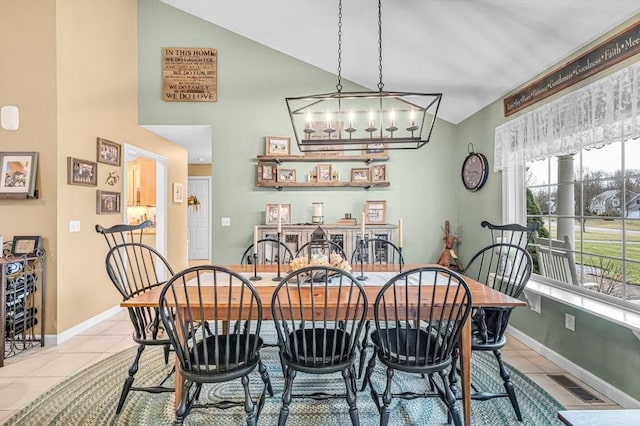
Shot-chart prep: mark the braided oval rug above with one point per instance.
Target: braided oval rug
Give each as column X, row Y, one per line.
column 90, row 398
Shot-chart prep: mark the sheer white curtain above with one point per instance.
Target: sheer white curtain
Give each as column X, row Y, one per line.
column 603, row 112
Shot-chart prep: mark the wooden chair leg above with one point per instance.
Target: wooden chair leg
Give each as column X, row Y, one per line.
column 347, row 375
column 290, row 374
column 129, row 380
column 386, row 399
column 249, row 406
column 508, row 384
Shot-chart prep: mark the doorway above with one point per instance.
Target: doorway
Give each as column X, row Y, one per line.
column 137, row 204
column 199, row 218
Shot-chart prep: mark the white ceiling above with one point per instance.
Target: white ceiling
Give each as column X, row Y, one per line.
column 473, row 51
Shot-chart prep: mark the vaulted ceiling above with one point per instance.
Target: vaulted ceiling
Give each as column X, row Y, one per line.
column 473, row 51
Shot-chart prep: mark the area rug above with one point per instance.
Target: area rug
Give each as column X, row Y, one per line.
column 90, row 398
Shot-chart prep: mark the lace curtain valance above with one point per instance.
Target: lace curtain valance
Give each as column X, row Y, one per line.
column 605, row 111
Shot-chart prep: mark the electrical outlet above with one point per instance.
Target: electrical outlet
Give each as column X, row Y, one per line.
column 226, row 221
column 570, row 322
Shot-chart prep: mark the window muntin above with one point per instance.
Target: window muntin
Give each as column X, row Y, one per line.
column 606, row 214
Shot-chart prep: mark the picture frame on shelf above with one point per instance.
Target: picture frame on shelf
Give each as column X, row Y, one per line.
column 25, row 245
column 178, row 192
column 374, row 150
column 109, row 152
column 324, row 173
column 18, row 172
column 107, row 202
column 81, row 172
column 267, row 172
column 278, row 145
column 361, row 174
column 375, row 212
column 286, row 175
column 271, row 214
column 379, row 173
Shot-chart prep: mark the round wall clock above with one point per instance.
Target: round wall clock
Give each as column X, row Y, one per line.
column 475, row 170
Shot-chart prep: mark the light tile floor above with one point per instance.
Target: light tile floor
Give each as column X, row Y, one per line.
column 26, row 376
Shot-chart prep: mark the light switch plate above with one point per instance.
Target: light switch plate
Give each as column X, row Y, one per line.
column 226, row 221
column 74, row 226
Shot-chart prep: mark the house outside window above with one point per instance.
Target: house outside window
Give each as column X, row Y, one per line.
column 605, row 236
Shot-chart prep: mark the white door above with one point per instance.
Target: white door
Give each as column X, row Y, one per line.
column 199, row 218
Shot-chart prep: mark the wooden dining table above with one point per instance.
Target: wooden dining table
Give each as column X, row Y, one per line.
column 481, row 296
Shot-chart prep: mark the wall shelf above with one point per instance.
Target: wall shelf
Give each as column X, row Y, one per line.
column 280, row 185
column 266, row 167
column 319, row 158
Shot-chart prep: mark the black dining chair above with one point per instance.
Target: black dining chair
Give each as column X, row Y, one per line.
column 376, row 251
column 511, row 233
column 123, row 233
column 215, row 353
column 269, row 251
column 507, row 269
column 135, row 268
column 320, row 247
column 323, row 339
column 419, row 315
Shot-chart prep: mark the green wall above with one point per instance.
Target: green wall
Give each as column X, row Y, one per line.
column 253, row 81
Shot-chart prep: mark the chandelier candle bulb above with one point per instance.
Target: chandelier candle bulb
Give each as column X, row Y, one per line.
column 362, row 227
column 400, row 233
column 317, row 209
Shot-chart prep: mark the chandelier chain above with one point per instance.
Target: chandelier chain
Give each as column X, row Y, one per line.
column 380, row 84
column 339, row 85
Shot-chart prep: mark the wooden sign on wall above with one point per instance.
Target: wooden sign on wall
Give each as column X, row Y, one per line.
column 189, row 74
column 611, row 51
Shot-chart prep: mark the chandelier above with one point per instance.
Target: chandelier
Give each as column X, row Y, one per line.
column 347, row 121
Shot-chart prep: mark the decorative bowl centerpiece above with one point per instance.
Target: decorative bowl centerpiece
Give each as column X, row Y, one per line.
column 334, row 260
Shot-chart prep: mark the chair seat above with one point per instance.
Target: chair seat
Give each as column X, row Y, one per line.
column 492, row 341
column 231, row 353
column 404, row 345
column 316, row 347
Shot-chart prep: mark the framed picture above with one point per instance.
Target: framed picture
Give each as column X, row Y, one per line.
column 18, row 173
column 271, row 214
column 360, row 175
column 109, row 152
column 324, row 173
column 25, row 245
column 107, row 202
column 266, row 172
column 374, row 150
column 286, row 175
column 375, row 212
column 379, row 173
column 81, row 172
column 178, row 192
column 278, row 145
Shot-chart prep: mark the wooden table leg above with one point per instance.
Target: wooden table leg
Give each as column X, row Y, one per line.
column 465, row 367
column 179, row 386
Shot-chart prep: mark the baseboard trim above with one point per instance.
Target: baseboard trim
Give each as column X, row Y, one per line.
column 56, row 339
column 606, row 389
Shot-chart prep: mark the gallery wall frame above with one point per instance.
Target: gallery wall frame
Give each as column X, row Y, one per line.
column 108, row 152
column 18, row 171
column 82, row 172
column 108, row 202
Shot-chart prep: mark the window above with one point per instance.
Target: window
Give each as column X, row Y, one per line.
column 592, row 197
column 573, row 163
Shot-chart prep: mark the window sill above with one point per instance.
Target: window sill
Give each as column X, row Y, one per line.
column 617, row 314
